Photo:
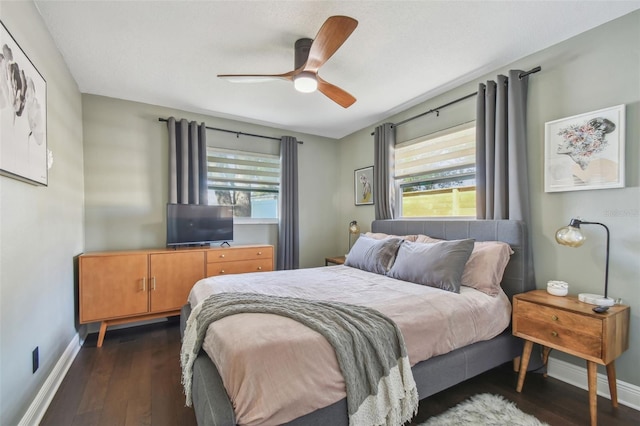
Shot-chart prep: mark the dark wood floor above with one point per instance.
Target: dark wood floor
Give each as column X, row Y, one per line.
column 134, row 379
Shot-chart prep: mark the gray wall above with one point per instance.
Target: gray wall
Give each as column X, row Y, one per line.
column 119, row 168
column 125, row 171
column 597, row 69
column 41, row 230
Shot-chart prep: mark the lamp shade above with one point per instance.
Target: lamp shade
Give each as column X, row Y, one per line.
column 570, row 235
column 354, row 228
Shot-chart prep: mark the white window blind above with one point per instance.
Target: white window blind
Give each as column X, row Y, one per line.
column 247, row 171
column 449, row 149
column 248, row 181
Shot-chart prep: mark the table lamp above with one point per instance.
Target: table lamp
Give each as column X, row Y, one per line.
column 354, row 229
column 572, row 236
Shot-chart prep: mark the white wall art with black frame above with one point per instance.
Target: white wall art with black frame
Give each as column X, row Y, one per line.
column 363, row 186
column 585, row 151
column 23, row 114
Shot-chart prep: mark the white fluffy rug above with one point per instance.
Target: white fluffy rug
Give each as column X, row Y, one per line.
column 484, row 410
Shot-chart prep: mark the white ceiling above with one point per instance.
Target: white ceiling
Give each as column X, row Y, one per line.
column 168, row 53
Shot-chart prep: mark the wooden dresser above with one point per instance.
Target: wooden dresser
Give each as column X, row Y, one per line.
column 568, row 325
column 117, row 287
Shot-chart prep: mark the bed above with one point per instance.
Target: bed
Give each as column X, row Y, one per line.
column 213, row 406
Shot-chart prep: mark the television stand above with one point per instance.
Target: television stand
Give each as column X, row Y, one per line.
column 117, row 287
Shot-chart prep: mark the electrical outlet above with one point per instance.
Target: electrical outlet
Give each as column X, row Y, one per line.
column 35, row 359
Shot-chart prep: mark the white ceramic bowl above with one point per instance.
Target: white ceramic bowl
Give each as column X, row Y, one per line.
column 557, row 288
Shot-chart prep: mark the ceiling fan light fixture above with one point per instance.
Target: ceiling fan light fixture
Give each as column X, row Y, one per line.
column 305, row 82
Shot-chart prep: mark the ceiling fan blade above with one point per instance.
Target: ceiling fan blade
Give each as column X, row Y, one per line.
column 336, row 94
column 256, row 78
column 333, row 33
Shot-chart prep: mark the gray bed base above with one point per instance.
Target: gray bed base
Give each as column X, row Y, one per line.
column 212, row 405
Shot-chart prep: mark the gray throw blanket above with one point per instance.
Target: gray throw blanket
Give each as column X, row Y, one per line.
column 369, row 347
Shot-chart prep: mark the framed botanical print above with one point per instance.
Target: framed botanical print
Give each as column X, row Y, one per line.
column 363, row 186
column 585, row 151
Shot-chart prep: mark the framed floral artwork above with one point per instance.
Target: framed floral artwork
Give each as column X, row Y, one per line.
column 585, row 151
column 363, row 186
column 23, row 115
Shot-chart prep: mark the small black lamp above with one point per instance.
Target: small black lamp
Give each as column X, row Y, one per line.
column 354, row 229
column 572, row 236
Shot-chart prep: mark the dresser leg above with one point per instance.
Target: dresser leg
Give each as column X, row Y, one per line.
column 526, row 354
column 592, row 376
column 613, row 388
column 103, row 331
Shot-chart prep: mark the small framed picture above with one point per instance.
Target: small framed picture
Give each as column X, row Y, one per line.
column 585, row 151
column 23, row 115
column 363, row 186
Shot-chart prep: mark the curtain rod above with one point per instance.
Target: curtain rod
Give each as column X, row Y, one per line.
column 437, row 109
column 236, row 132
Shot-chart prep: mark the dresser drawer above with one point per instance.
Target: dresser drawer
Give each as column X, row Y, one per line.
column 239, row 267
column 235, row 254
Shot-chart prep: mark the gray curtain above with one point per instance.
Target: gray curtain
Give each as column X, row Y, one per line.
column 288, row 235
column 502, row 182
column 187, row 162
column 384, row 199
column 502, row 177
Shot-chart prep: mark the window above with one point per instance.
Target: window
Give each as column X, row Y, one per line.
column 435, row 174
column 248, row 181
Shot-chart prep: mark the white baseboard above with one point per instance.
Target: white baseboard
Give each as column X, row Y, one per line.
column 628, row 394
column 41, row 402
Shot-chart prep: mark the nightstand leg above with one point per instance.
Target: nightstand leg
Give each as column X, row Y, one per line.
column 592, row 377
column 526, row 354
column 613, row 388
column 516, row 363
column 545, row 358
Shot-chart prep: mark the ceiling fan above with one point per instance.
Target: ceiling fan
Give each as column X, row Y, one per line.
column 310, row 55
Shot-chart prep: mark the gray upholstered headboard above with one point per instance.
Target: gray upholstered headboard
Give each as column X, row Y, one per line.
column 518, row 276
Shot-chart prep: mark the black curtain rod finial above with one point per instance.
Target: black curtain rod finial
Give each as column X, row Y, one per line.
column 531, row 71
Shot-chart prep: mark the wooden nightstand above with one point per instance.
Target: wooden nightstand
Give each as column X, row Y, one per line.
column 568, row 325
column 338, row 260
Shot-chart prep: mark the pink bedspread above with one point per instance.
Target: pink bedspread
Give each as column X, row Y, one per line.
column 275, row 369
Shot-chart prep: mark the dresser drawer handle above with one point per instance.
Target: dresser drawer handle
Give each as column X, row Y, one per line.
column 259, row 268
column 222, row 256
column 554, row 317
column 554, row 333
column 222, row 271
column 259, row 253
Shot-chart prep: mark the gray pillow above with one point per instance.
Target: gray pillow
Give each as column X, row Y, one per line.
column 437, row 265
column 373, row 255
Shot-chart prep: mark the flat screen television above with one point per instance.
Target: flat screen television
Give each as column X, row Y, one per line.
column 198, row 224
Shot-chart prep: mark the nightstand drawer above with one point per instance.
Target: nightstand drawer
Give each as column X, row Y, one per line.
column 559, row 337
column 555, row 317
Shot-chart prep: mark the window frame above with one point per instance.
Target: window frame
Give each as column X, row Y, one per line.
column 211, row 186
column 398, row 184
